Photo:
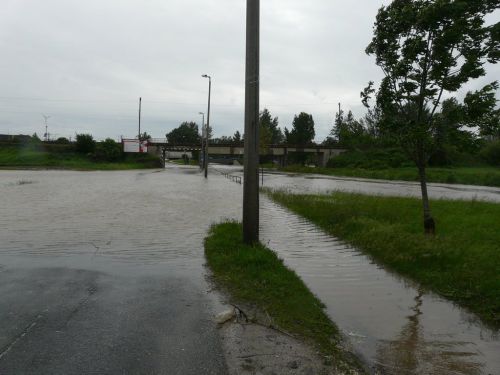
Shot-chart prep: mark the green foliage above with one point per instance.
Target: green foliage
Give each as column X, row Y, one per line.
column 269, row 131
column 302, row 132
column 491, row 153
column 481, row 110
column 370, row 159
column 237, row 138
column 185, row 134
column 254, row 274
column 62, row 141
column 85, row 143
column 222, row 140
column 108, row 150
column 449, row 139
column 481, row 176
column 64, row 157
column 35, row 139
column 349, row 132
column 426, row 48
column 461, row 263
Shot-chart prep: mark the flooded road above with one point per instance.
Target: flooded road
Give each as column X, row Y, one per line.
column 137, row 236
column 312, row 184
column 395, row 326
column 102, row 272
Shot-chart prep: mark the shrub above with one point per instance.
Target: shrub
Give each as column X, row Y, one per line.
column 85, row 143
column 108, row 150
column 491, row 153
column 370, row 159
column 62, row 141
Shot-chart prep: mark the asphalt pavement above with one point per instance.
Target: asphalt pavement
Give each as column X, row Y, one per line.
column 66, row 320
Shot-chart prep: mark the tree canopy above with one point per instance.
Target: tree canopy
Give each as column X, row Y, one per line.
column 85, row 143
column 187, row 133
column 302, row 132
column 426, row 48
column 269, row 130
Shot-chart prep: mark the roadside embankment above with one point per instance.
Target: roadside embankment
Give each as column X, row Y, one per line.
column 255, row 276
column 64, row 157
column 461, row 263
column 480, row 176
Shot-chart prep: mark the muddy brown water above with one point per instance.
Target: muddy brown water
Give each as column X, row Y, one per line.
column 155, row 221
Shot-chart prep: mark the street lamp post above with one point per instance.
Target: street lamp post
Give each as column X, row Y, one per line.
column 208, row 123
column 202, row 137
column 251, row 174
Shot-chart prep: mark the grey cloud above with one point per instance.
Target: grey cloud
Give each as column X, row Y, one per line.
column 86, row 63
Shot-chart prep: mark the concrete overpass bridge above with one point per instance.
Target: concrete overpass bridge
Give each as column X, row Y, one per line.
column 279, row 153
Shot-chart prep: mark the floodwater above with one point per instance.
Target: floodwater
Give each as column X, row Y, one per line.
column 155, row 221
column 312, row 184
column 394, row 325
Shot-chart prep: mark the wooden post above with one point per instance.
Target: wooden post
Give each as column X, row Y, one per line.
column 251, row 174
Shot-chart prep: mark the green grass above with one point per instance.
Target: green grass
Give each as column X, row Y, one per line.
column 255, row 274
column 462, row 262
column 12, row 158
column 484, row 176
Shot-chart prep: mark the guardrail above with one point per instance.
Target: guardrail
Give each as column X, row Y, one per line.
column 233, row 178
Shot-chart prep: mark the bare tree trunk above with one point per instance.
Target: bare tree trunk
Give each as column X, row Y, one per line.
column 429, row 224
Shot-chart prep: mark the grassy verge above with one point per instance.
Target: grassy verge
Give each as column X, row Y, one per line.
column 462, row 262
column 484, row 176
column 256, row 275
column 13, row 158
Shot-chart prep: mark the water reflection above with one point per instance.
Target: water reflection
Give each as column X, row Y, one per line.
column 395, row 326
column 411, row 353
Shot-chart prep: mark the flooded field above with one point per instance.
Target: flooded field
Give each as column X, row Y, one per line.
column 154, row 222
column 310, row 183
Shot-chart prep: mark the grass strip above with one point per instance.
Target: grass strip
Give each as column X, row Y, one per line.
column 13, row 158
column 482, row 176
column 255, row 274
column 462, row 262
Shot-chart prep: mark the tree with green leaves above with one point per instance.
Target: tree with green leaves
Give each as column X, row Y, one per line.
column 85, row 143
column 481, row 111
column 348, row 131
column 269, row 129
column 426, row 49
column 237, row 137
column 145, row 137
column 186, row 134
column 302, row 132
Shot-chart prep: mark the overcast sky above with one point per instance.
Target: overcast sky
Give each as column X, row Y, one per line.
column 85, row 63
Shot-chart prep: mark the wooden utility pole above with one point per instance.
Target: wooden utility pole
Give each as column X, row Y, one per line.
column 251, row 174
column 208, row 123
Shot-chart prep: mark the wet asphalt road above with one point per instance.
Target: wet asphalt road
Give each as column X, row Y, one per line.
column 67, row 321
column 102, row 273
